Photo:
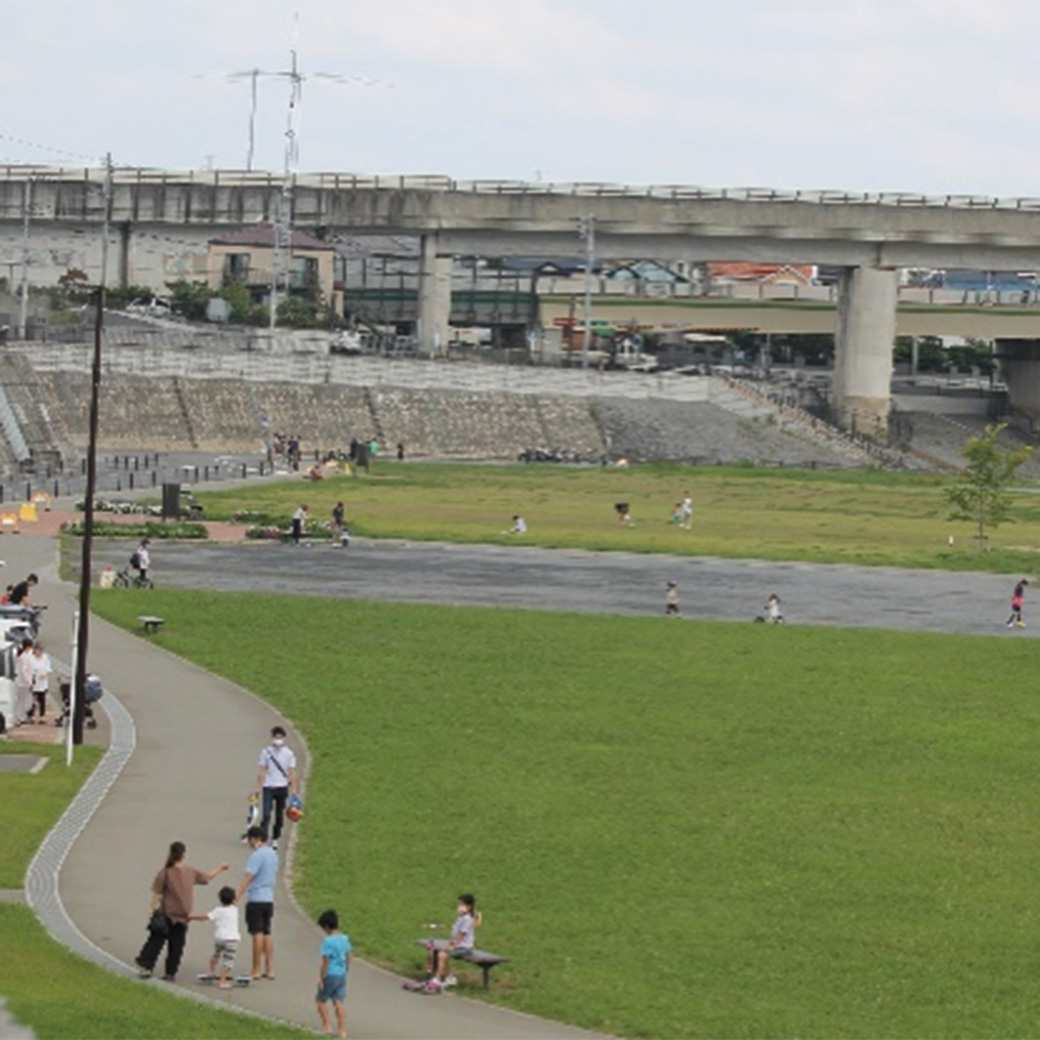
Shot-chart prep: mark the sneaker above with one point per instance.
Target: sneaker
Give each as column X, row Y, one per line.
column 1021, row 624
column 274, row 845
column 449, row 981
column 1011, row 624
column 143, row 973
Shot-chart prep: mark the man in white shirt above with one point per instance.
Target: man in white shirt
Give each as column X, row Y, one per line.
column 276, row 782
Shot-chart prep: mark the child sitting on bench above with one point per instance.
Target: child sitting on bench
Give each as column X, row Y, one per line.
column 463, row 939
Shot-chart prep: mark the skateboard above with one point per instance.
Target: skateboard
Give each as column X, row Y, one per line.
column 211, row 980
column 428, row 988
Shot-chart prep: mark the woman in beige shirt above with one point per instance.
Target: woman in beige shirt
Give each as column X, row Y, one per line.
column 173, row 892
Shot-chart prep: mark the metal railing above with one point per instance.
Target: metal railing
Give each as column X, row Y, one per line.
column 442, row 183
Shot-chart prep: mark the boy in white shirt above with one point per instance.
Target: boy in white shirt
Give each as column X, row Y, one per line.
column 226, row 937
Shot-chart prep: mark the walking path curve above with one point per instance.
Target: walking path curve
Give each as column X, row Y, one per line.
column 197, row 742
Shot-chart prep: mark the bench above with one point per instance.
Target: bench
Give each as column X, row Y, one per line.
column 482, row 958
column 151, row 624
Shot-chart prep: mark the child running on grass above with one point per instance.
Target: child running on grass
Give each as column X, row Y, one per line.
column 463, row 938
column 226, row 936
column 332, row 977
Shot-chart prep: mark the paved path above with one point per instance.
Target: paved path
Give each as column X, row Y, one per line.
column 617, row 583
column 198, row 738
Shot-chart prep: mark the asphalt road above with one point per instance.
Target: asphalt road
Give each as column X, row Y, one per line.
column 613, row 583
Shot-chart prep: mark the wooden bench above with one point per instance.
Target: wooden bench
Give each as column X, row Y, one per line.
column 482, row 958
column 151, row 624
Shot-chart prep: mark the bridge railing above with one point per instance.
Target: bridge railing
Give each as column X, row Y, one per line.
column 332, row 181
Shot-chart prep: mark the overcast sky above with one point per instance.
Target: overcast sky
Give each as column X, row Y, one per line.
column 917, row 95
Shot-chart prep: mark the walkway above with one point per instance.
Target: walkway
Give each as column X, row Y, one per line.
column 198, row 738
column 611, row 583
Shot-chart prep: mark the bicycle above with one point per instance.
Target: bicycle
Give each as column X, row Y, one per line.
column 125, row 580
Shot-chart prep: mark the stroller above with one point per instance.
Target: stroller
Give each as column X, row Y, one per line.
column 92, row 694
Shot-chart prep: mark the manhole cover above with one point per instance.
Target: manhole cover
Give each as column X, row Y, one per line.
column 21, row 763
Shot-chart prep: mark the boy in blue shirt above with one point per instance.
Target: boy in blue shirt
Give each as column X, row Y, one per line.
column 332, row 978
column 258, row 887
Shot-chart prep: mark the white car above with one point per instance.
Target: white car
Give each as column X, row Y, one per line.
column 149, row 307
column 8, row 694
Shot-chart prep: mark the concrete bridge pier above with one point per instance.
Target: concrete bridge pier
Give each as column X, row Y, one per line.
column 1019, row 361
column 863, row 349
column 434, row 298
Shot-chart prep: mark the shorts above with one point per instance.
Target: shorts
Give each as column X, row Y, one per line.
column 224, row 953
column 460, row 952
column 334, row 988
column 258, row 918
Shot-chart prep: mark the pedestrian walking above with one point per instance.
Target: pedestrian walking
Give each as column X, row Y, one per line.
column 39, row 668
column 332, row 975
column 23, row 682
column 1018, row 599
column 173, row 893
column 258, row 888
column 299, row 518
column 671, row 600
column 686, row 510
column 276, row 783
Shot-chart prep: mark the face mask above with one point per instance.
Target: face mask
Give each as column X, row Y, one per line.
column 278, row 742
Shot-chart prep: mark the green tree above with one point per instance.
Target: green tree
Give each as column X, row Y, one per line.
column 981, row 493
column 189, row 299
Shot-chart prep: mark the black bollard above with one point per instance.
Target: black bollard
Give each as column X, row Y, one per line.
column 131, row 479
column 56, row 492
column 153, row 477
column 119, row 484
column 205, row 472
column 28, row 492
column 244, row 471
column 137, row 462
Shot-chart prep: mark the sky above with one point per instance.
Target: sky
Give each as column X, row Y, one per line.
column 934, row 96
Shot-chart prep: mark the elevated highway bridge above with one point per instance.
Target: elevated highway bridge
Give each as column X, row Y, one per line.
column 869, row 236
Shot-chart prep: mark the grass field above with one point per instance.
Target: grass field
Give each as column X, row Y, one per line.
column 865, row 517
column 65, row 998
column 33, row 803
column 57, row 994
column 674, row 829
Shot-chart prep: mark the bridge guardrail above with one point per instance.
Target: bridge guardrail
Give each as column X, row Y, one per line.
column 442, row 183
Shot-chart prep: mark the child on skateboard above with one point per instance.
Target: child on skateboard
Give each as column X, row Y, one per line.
column 226, row 937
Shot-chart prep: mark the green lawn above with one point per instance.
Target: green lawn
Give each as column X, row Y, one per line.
column 675, row 829
column 53, row 991
column 61, row 996
column 863, row 517
column 33, row 802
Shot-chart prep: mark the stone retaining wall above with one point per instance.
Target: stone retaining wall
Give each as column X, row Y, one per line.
column 174, row 413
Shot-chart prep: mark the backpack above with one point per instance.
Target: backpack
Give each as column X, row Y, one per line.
column 135, row 560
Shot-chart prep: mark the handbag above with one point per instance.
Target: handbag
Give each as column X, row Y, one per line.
column 159, row 923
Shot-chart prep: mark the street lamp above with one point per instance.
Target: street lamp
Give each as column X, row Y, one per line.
column 79, row 682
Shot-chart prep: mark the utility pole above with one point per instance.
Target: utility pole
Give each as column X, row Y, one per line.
column 79, row 686
column 23, row 307
column 587, row 232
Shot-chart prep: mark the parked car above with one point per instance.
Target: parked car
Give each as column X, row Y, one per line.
column 8, row 694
